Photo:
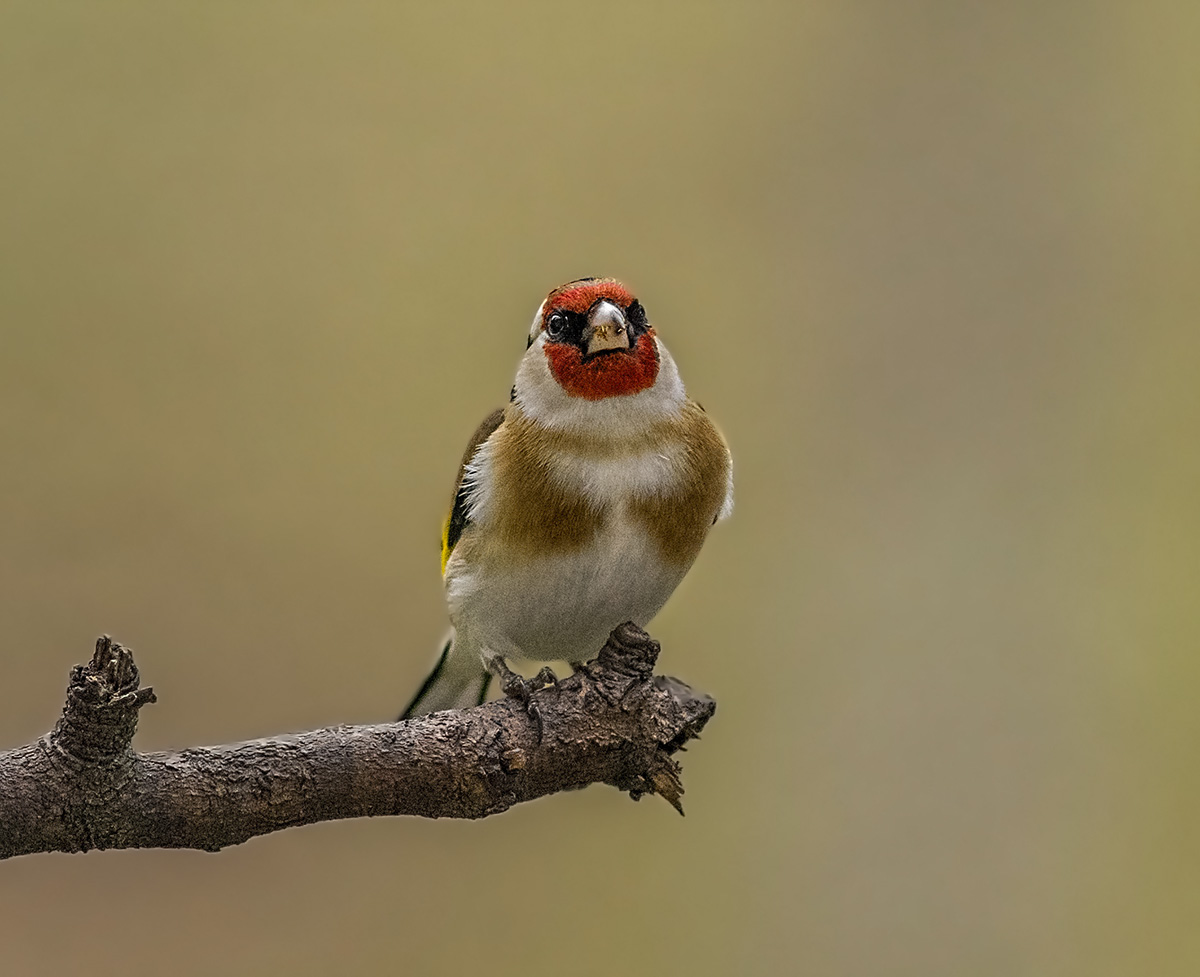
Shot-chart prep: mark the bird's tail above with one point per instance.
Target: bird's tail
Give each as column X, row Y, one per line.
column 458, row 681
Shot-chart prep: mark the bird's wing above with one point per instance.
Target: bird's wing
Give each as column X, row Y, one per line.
column 456, row 522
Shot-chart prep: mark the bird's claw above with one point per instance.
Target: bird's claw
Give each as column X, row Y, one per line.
column 517, row 687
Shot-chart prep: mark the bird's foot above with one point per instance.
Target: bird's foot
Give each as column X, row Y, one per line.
column 518, row 687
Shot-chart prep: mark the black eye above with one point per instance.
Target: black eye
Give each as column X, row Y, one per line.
column 636, row 316
column 556, row 325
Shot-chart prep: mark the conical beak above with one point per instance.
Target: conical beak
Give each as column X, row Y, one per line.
column 606, row 329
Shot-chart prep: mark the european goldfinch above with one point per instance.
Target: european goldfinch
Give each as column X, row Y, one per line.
column 582, row 503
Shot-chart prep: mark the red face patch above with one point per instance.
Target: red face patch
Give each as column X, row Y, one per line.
column 607, row 375
column 581, row 296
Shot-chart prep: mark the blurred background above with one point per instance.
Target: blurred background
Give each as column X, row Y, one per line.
column 932, row 267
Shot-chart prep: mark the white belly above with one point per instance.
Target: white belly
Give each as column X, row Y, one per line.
column 561, row 607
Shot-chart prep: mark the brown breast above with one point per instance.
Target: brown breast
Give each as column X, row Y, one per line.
column 680, row 518
column 539, row 515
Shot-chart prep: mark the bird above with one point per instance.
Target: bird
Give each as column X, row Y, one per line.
column 578, row 506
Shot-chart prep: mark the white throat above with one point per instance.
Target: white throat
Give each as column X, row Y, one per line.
column 543, row 400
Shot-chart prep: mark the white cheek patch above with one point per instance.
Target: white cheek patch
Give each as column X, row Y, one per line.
column 535, row 385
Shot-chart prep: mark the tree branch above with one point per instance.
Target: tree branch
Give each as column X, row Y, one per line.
column 82, row 786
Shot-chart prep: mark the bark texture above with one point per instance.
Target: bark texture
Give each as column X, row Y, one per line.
column 82, row 786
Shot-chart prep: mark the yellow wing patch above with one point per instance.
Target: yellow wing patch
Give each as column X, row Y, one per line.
column 446, row 547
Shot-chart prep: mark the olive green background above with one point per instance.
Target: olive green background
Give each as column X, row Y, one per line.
column 931, row 266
